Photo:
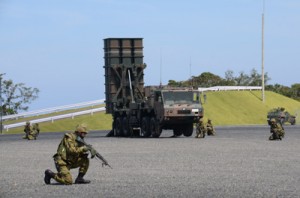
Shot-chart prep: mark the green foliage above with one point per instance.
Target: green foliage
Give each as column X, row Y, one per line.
column 207, row 79
column 281, row 89
column 15, row 97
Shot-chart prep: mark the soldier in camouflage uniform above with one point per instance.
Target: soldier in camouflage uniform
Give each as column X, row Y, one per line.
column 70, row 154
column 35, row 130
column 210, row 128
column 30, row 132
column 277, row 130
column 200, row 129
column 27, row 130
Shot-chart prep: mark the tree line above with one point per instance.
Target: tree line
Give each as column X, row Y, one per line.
column 207, row 79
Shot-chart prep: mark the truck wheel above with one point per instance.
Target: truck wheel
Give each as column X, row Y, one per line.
column 118, row 127
column 145, row 129
column 155, row 128
column 293, row 122
column 188, row 131
column 126, row 129
column 178, row 131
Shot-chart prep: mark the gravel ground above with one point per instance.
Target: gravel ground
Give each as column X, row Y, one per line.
column 237, row 162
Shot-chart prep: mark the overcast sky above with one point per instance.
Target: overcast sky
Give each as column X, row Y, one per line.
column 57, row 45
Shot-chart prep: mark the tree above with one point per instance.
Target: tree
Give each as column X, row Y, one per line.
column 15, row 97
column 296, row 91
column 280, row 89
column 207, row 79
column 255, row 78
column 229, row 78
column 242, row 80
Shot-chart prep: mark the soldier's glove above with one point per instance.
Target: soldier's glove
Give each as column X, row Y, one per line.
column 84, row 149
column 93, row 153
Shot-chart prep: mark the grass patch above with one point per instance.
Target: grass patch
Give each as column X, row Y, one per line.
column 244, row 107
column 97, row 121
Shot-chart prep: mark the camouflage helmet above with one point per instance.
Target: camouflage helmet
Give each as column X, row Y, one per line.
column 273, row 120
column 81, row 128
column 27, row 122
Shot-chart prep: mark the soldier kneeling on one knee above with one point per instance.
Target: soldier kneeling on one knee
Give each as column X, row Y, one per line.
column 277, row 130
column 70, row 154
column 31, row 132
column 210, row 128
column 200, row 129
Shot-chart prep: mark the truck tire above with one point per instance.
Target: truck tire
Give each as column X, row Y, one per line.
column 188, row 130
column 145, row 128
column 155, row 128
column 118, row 127
column 126, row 129
column 178, row 131
column 293, row 121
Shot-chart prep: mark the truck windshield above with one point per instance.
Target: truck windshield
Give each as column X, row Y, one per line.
column 181, row 97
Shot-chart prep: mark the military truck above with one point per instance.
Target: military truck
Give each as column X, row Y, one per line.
column 139, row 110
column 281, row 116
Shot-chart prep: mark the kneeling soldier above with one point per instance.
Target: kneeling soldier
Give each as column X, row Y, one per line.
column 200, row 129
column 210, row 128
column 70, row 154
column 277, row 130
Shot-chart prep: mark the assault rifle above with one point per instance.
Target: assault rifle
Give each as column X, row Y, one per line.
column 93, row 152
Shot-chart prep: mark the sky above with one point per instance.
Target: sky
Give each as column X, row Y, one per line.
column 57, row 46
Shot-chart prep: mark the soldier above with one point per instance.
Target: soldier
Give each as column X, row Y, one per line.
column 210, row 128
column 71, row 154
column 35, row 130
column 200, row 129
column 31, row 132
column 27, row 130
column 277, row 130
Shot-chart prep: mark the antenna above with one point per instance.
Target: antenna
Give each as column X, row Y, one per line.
column 190, row 67
column 160, row 67
column 191, row 71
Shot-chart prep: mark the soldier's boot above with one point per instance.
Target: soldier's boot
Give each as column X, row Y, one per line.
column 80, row 180
column 48, row 176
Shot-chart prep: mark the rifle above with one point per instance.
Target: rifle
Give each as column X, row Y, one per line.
column 91, row 149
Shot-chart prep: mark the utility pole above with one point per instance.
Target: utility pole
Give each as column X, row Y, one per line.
column 1, row 112
column 190, row 77
column 160, row 68
column 262, row 58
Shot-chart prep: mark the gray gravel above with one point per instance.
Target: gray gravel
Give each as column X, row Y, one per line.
column 237, row 162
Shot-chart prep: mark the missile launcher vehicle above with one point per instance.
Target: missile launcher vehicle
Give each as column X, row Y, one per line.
column 139, row 110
